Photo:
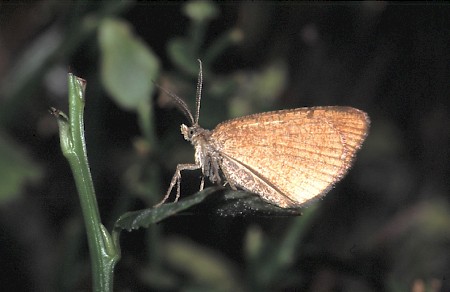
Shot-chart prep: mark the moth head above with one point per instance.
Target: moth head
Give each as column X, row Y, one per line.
column 188, row 132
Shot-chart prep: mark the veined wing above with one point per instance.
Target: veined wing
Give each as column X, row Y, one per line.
column 296, row 154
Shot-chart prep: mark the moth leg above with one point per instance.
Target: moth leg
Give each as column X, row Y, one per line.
column 228, row 180
column 202, row 183
column 176, row 179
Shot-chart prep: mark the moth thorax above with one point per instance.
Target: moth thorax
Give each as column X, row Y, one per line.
column 209, row 162
column 205, row 155
column 200, row 139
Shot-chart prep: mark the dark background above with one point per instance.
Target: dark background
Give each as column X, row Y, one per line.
column 385, row 227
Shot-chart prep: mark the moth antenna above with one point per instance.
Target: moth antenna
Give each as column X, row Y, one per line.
column 199, row 91
column 178, row 102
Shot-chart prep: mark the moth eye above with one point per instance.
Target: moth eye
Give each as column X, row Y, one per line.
column 191, row 132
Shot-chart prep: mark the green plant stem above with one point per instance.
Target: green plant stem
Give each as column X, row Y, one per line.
column 197, row 35
column 104, row 253
column 271, row 268
column 146, row 122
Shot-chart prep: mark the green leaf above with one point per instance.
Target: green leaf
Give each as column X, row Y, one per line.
column 259, row 90
column 143, row 218
column 201, row 10
column 207, row 270
column 181, row 53
column 16, row 169
column 128, row 66
column 229, row 203
column 242, row 203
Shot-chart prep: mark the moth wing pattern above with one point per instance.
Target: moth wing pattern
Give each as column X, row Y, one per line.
column 290, row 157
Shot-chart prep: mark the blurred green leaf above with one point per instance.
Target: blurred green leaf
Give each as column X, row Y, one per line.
column 181, row 53
column 254, row 243
column 201, row 10
column 221, row 44
column 258, row 90
column 270, row 260
column 416, row 234
column 16, row 169
column 206, row 269
column 184, row 51
column 128, row 66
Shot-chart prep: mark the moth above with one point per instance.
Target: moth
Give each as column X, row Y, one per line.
column 287, row 157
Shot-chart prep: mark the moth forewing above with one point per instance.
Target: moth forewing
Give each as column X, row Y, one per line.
column 290, row 157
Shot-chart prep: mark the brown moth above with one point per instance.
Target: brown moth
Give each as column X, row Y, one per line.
column 287, row 157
